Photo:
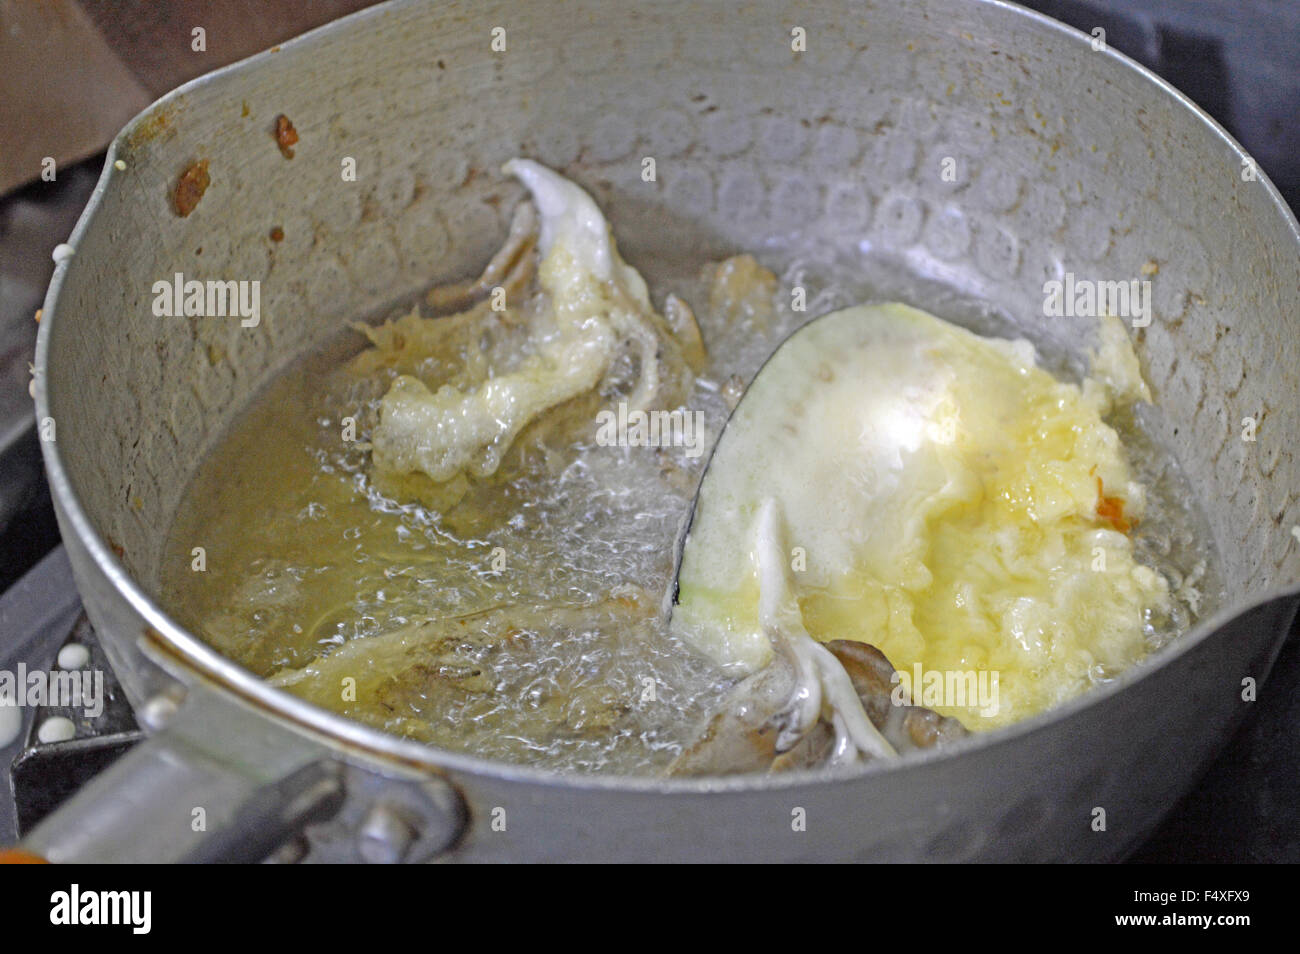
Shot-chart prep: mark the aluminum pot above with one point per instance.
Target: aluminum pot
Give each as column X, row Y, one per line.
column 826, row 121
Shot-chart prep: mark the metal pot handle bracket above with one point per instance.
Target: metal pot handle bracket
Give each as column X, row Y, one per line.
column 254, row 791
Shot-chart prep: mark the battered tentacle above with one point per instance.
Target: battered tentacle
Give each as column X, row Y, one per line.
column 594, row 307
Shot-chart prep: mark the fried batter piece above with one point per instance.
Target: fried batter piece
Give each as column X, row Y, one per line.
column 575, row 320
column 742, row 292
column 411, row 680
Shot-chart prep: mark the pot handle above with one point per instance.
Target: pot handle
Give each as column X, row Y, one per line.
column 180, row 795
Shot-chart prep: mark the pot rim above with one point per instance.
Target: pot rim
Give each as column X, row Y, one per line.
column 204, row 664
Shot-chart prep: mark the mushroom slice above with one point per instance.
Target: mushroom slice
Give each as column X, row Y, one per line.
column 906, row 726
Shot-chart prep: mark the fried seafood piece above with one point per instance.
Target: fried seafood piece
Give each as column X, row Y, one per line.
column 512, row 268
column 586, row 318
